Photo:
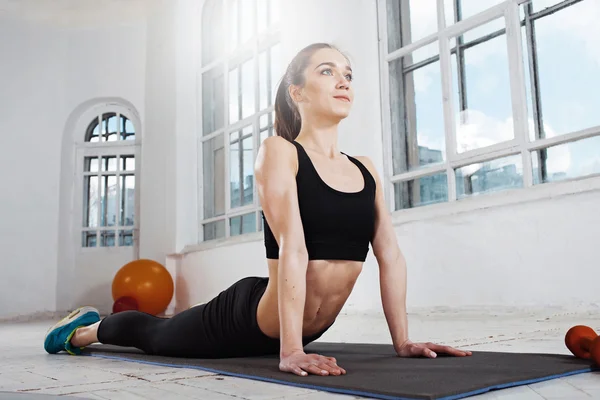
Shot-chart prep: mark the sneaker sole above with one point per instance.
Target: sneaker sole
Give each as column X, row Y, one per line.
column 66, row 320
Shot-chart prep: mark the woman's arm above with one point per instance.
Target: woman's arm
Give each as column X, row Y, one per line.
column 275, row 170
column 392, row 281
column 392, row 266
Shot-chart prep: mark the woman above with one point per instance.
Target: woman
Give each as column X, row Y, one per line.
column 322, row 209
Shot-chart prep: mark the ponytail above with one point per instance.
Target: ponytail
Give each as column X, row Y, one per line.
column 288, row 121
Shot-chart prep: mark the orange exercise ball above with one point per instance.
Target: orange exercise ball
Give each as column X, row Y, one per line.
column 146, row 281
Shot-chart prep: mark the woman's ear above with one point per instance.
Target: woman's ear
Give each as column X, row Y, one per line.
column 295, row 93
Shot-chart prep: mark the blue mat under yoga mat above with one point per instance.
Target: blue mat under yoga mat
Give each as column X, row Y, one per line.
column 373, row 370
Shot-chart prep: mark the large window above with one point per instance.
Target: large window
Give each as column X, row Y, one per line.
column 239, row 73
column 108, row 171
column 487, row 95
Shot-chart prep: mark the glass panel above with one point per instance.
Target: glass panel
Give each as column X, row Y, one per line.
column 90, row 164
column 487, row 119
column 420, row 20
column 241, row 169
column 417, row 117
column 127, row 209
column 262, row 14
column 248, row 100
column 214, row 177
column 128, row 163
column 88, row 239
column 92, row 136
column 247, row 27
column 90, row 201
column 266, row 126
column 213, row 97
column 263, row 83
column 274, row 11
column 234, row 95
column 107, row 238
column 472, row 7
column 233, row 25
column 484, row 30
column 109, row 163
column 489, row 176
column 126, row 129
column 421, row 191
column 212, row 31
column 422, row 53
column 214, row 230
column 568, row 68
column 567, row 161
column 126, row 238
column 109, row 127
column 276, row 71
column 108, row 195
column 539, row 5
column 242, row 224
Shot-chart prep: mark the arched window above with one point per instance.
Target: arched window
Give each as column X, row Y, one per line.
column 107, row 168
column 241, row 66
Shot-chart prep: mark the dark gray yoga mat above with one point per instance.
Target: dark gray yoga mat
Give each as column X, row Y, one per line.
column 373, row 370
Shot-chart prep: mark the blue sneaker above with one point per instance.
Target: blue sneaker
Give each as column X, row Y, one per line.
column 59, row 336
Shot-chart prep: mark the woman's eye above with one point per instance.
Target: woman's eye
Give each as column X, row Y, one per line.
column 327, row 70
column 349, row 77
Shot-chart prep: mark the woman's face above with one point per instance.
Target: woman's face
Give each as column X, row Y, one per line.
column 327, row 90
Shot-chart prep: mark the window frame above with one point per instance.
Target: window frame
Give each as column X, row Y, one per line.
column 263, row 39
column 519, row 145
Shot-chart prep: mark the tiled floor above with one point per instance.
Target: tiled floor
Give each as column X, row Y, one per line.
column 25, row 367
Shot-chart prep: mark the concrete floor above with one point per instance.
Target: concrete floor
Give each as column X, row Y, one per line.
column 26, row 368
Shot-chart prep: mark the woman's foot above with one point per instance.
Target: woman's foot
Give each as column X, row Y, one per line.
column 59, row 336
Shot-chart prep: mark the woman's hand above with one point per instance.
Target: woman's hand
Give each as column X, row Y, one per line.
column 431, row 350
column 302, row 364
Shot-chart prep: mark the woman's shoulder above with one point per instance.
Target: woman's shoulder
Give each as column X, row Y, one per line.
column 274, row 155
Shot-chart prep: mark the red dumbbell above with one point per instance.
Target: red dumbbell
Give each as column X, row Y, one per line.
column 584, row 343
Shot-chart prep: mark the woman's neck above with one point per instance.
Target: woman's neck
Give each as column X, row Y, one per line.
column 322, row 139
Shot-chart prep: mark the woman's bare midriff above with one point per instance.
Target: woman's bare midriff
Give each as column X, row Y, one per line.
column 328, row 285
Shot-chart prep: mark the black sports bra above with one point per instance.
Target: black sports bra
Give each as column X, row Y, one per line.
column 337, row 225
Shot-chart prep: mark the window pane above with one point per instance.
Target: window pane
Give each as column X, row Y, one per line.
column 88, row 239
column 266, row 126
column 472, row 7
column 421, row 191
column 274, row 12
column 93, row 131
column 539, row 5
column 126, row 129
column 487, row 119
column 248, row 100
column 409, row 21
column 567, row 161
column 109, row 127
column 126, row 238
column 108, row 194
column 128, row 163
column 262, row 15
column 107, row 238
column 212, row 31
column 242, row 224
column 569, row 68
column 127, row 200
column 90, row 201
column 214, row 230
column 484, row 30
column 489, row 176
column 241, row 168
column 276, row 69
column 234, row 95
column 213, row 97
column 233, row 25
column 247, row 26
column 269, row 75
column 109, row 163
column 417, row 117
column 90, row 164
column 214, row 177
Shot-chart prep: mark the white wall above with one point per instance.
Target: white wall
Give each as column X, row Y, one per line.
column 528, row 248
column 52, row 68
column 32, row 112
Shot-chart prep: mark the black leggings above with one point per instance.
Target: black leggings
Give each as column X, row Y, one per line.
column 226, row 326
